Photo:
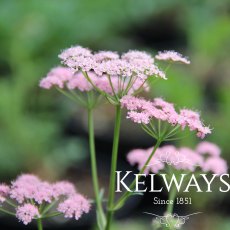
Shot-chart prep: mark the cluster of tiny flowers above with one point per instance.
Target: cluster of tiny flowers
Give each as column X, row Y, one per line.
column 180, row 158
column 4, row 191
column 132, row 63
column 106, row 70
column 172, row 56
column 27, row 212
column 29, row 194
column 74, row 206
column 143, row 111
column 63, row 77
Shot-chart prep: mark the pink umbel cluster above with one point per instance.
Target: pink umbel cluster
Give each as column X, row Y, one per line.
column 62, row 77
column 27, row 212
column 172, row 56
column 56, row 77
column 144, row 111
column 31, row 196
column 74, row 206
column 206, row 147
column 131, row 64
column 104, row 71
column 184, row 158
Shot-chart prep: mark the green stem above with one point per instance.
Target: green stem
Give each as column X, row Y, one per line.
column 113, row 167
column 39, row 224
column 52, row 215
column 94, row 166
column 7, row 212
column 127, row 193
column 10, row 203
column 47, row 208
column 172, row 196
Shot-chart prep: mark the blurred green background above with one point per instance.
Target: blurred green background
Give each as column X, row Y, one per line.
column 44, row 133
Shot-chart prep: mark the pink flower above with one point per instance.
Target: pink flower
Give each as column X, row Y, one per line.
column 4, row 191
column 191, row 160
column 172, row 56
column 209, row 148
column 216, row 165
column 107, row 71
column 137, row 117
column 143, row 112
column 140, row 156
column 30, row 192
column 184, row 158
column 78, row 58
column 56, row 77
column 74, row 206
column 135, row 55
column 131, row 64
column 29, row 187
column 75, row 51
column 27, row 213
column 78, row 81
column 63, row 188
column 105, row 56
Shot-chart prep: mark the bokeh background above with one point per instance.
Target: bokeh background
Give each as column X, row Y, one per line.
column 44, row 133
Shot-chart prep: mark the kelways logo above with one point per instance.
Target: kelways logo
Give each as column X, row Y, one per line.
column 182, row 182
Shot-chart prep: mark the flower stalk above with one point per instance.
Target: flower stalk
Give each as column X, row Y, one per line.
column 110, row 210
column 39, row 224
column 100, row 212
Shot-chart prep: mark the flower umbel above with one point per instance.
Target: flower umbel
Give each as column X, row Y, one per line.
column 147, row 112
column 27, row 213
column 172, row 56
column 31, row 198
column 184, row 159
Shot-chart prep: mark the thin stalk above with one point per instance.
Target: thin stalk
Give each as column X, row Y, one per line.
column 10, row 203
column 48, row 207
column 170, row 205
column 7, row 212
column 140, row 88
column 52, row 215
column 91, row 82
column 94, row 166
column 172, row 196
column 127, row 193
column 113, row 167
column 39, row 224
column 111, row 85
column 172, row 132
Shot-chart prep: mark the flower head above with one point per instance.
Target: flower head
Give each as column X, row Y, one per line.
column 79, row 82
column 29, row 187
column 216, row 165
column 209, row 148
column 4, row 191
column 185, row 159
column 63, row 188
column 105, row 56
column 29, row 194
column 74, row 206
column 56, row 77
column 172, row 56
column 143, row 111
column 140, row 156
column 26, row 213
column 78, row 58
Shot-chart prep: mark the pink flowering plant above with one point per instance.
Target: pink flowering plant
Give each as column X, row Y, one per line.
column 119, row 79
column 29, row 198
column 87, row 78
